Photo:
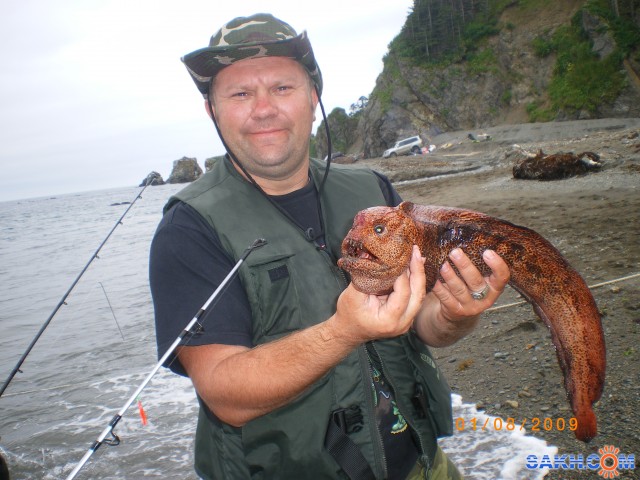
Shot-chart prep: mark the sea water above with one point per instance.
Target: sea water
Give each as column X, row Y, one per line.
column 100, row 346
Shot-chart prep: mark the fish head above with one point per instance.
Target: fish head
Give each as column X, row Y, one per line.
column 378, row 247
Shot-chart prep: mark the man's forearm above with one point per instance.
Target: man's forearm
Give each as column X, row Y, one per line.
column 249, row 383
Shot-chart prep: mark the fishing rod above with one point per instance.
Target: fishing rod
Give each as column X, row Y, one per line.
column 16, row 369
column 114, row 440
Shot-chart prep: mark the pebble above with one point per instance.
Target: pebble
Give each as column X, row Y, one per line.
column 501, row 355
column 524, row 393
column 512, row 403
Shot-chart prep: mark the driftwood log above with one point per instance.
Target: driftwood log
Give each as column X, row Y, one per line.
column 556, row 166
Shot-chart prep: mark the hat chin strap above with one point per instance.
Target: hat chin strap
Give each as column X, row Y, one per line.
column 235, row 160
column 329, row 148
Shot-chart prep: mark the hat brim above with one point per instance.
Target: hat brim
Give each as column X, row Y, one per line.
column 206, row 63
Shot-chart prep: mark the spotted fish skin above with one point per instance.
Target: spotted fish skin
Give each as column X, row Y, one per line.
column 378, row 248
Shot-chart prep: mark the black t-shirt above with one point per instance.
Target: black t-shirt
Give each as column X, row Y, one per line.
column 401, row 452
column 188, row 262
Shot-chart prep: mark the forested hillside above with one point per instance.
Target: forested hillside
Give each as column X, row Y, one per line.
column 468, row 64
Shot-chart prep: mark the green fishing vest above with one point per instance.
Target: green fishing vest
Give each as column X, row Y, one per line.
column 291, row 285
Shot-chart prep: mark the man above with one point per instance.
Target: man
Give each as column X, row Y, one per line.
column 299, row 375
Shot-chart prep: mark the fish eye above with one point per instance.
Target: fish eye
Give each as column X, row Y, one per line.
column 379, row 229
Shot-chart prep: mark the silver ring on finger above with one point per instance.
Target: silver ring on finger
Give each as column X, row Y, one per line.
column 481, row 294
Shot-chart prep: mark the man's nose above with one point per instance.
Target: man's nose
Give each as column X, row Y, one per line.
column 264, row 106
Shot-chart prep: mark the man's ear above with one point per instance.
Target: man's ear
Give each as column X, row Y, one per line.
column 314, row 101
column 208, row 106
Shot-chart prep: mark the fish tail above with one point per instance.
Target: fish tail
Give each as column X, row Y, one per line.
column 563, row 300
column 586, row 427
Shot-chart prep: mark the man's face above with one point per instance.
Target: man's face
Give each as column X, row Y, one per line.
column 265, row 109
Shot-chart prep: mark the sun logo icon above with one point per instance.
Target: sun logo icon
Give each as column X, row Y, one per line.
column 608, row 461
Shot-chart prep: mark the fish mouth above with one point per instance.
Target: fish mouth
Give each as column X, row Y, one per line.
column 355, row 251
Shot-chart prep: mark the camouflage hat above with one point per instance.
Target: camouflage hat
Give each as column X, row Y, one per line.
column 260, row 35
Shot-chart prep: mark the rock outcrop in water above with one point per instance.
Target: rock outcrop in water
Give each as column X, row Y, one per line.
column 185, row 170
column 154, row 178
column 209, row 162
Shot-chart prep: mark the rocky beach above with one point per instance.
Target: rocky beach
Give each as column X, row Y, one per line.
column 508, row 366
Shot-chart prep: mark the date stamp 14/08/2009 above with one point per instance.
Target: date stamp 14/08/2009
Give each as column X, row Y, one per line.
column 534, row 424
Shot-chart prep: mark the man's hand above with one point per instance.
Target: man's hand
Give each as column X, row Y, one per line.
column 361, row 317
column 450, row 311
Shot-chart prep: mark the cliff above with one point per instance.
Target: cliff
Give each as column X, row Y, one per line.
column 512, row 62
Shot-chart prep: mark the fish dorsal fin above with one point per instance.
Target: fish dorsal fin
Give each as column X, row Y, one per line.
column 406, row 207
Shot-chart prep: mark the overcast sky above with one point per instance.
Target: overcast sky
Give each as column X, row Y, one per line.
column 93, row 94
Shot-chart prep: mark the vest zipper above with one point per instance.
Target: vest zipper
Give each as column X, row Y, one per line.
column 378, row 447
column 338, row 273
column 343, row 277
column 418, row 435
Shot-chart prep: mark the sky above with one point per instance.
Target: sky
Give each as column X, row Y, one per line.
column 93, row 94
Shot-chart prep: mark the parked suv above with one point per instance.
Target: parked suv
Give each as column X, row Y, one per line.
column 404, row 147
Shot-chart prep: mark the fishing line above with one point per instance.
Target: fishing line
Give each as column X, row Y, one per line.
column 16, row 369
column 522, row 302
column 57, row 387
column 115, row 440
column 111, row 308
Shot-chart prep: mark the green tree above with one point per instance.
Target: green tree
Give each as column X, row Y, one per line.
column 357, row 107
column 343, row 133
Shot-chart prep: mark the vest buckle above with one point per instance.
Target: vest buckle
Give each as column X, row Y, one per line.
column 349, row 419
column 420, row 401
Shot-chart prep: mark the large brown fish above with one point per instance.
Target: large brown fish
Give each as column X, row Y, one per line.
column 378, row 248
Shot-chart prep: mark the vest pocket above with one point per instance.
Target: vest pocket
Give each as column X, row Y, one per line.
column 218, row 450
column 276, row 306
column 289, row 442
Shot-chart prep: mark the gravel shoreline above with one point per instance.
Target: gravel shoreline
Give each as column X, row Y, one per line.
column 508, row 366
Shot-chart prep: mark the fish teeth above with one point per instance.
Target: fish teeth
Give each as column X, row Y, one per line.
column 354, row 247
